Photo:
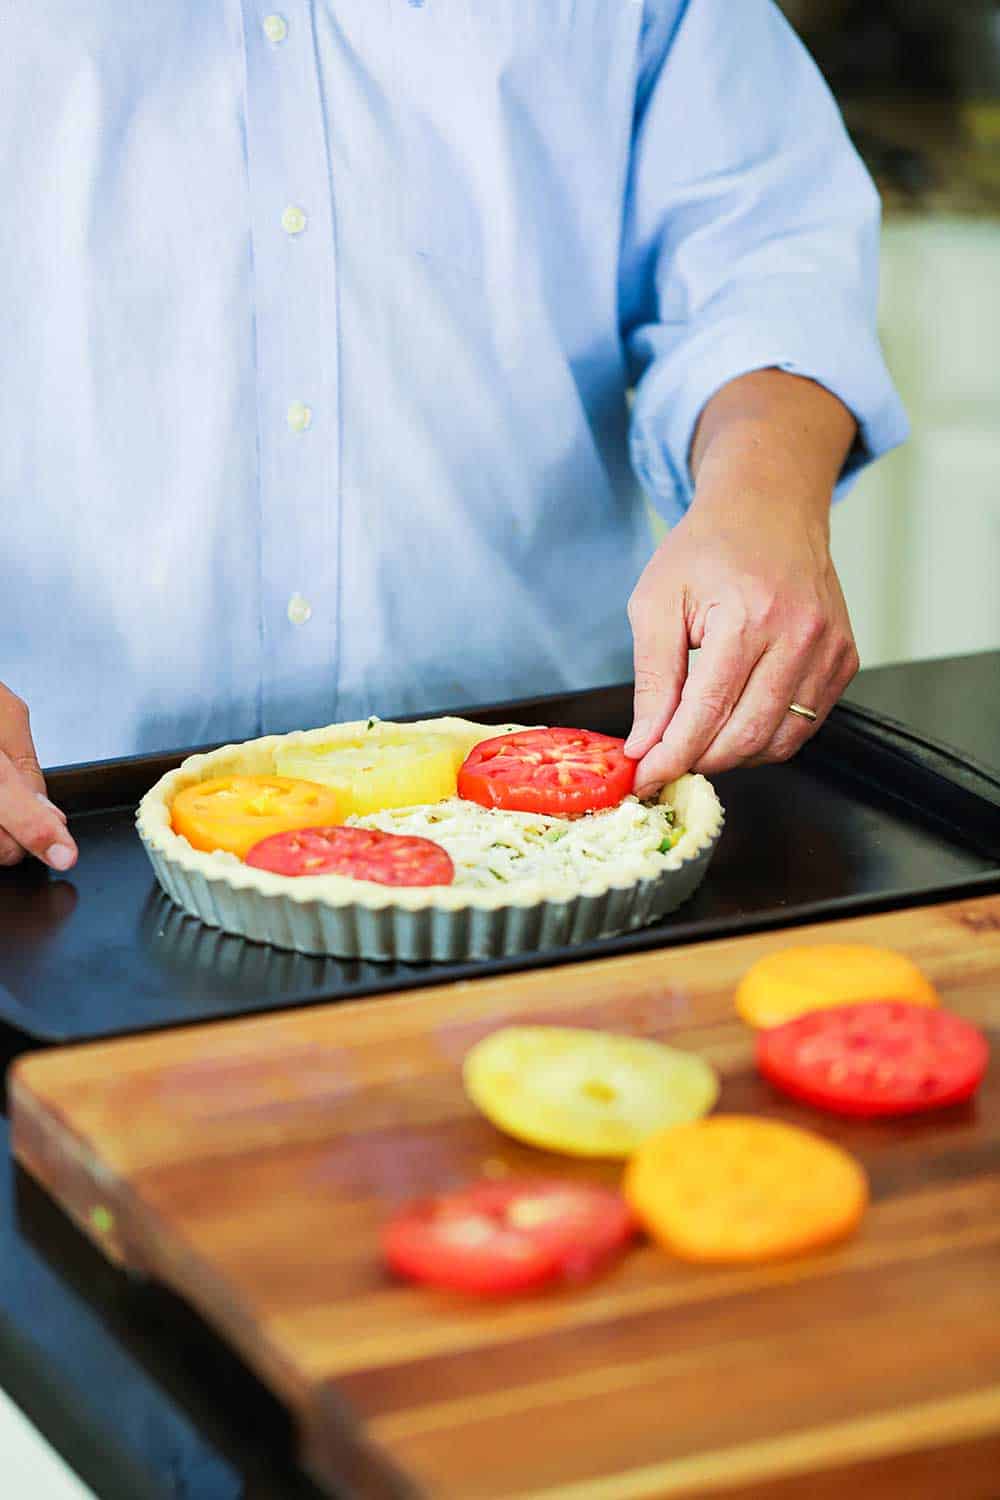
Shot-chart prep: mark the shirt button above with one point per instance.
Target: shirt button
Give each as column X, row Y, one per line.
column 293, row 220
column 275, row 28
column 299, row 610
column 299, row 416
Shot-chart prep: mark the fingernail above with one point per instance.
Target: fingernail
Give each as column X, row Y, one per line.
column 59, row 856
column 46, row 803
column 638, row 736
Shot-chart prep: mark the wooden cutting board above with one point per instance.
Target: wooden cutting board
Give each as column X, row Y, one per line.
column 250, row 1164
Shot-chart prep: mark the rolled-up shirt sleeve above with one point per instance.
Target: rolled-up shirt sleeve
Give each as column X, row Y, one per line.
column 751, row 236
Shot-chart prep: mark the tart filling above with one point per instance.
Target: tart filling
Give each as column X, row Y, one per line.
column 491, row 845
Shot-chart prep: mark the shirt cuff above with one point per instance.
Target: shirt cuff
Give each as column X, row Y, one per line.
column 832, row 344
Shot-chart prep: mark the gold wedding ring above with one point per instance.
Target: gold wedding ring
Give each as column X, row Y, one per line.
column 802, row 711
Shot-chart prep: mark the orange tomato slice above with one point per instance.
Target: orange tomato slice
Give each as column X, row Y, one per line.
column 236, row 812
column 735, row 1189
column 791, row 982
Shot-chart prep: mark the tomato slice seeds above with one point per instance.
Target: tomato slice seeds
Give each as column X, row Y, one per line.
column 235, row 812
column 883, row 1058
column 504, row 1237
column 381, row 769
column 558, row 772
column 358, row 853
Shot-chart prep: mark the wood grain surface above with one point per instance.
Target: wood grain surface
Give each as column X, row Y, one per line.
column 250, row 1164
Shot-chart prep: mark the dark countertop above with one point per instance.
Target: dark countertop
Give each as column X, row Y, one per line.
column 955, row 700
column 139, row 1397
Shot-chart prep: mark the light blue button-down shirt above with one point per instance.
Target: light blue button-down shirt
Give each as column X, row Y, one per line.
column 318, row 323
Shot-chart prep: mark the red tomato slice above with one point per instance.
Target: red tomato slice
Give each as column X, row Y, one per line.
column 878, row 1058
column 496, row 1237
column 361, row 853
column 560, row 772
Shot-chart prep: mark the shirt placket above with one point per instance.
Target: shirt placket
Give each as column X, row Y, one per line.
column 295, row 271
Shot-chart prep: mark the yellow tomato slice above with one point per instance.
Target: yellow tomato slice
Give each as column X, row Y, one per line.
column 738, row 1189
column 585, row 1093
column 236, row 812
column 380, row 770
column 793, row 981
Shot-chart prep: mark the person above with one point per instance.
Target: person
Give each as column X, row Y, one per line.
column 342, row 342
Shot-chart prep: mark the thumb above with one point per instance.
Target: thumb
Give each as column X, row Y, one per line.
column 16, row 741
column 660, row 655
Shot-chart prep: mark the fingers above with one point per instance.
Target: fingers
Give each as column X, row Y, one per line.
column 29, row 822
column 729, row 653
column 11, row 853
column 734, row 708
column 819, row 690
column 15, row 739
column 762, row 710
column 660, row 654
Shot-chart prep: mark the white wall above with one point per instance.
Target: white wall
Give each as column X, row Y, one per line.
column 917, row 543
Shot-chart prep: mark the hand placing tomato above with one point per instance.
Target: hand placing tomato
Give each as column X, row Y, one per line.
column 360, row 853
column 558, row 772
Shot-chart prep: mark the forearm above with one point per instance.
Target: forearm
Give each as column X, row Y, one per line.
column 773, row 437
column 747, row 578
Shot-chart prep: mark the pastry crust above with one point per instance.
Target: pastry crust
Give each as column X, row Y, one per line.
column 223, row 891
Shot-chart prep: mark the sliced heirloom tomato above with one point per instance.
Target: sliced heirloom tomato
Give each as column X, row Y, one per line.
column 558, row 772
column 502, row 1237
column 383, row 768
column 585, row 1093
column 885, row 1058
column 235, row 812
column 793, row 981
column 360, row 853
column 735, row 1189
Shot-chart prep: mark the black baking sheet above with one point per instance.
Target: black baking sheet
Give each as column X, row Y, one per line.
column 868, row 818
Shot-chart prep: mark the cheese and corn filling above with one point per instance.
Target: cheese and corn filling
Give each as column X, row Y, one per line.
column 491, row 846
